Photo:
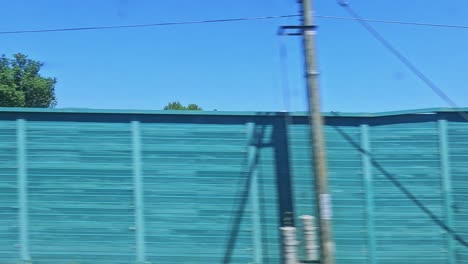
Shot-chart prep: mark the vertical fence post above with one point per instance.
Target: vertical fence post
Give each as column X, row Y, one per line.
column 447, row 186
column 310, row 238
column 289, row 245
column 254, row 196
column 22, row 190
column 138, row 192
column 369, row 189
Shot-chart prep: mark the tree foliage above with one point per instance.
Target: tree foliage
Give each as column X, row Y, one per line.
column 179, row 106
column 21, row 84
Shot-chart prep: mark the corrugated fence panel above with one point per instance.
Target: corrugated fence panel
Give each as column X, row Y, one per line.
column 195, row 182
column 9, row 233
column 404, row 233
column 209, row 195
column 458, row 155
column 80, row 192
column 303, row 184
column 346, row 187
column 269, row 203
column 302, row 175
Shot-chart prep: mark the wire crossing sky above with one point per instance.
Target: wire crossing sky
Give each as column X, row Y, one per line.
column 235, row 65
column 225, row 20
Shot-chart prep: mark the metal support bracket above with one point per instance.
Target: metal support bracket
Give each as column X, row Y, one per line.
column 283, row 30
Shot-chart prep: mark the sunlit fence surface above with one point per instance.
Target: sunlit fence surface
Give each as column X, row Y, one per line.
column 96, row 186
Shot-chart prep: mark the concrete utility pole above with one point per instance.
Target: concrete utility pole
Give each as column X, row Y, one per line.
column 327, row 245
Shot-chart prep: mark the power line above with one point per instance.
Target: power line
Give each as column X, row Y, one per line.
column 398, row 22
column 147, row 25
column 402, row 58
column 434, row 88
column 284, row 76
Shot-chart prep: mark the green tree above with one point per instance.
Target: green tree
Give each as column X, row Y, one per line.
column 179, row 106
column 21, row 84
column 194, row 107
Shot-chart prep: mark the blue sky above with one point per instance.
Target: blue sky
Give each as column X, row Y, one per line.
column 236, row 66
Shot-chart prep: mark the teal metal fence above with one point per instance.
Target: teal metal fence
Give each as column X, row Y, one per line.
column 90, row 186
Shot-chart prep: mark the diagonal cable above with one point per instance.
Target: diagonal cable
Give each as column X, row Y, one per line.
column 402, row 58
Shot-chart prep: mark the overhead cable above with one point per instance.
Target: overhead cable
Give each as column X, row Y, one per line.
column 163, row 24
column 179, row 23
column 402, row 58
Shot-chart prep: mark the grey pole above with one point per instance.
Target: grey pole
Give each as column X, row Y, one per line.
column 317, row 138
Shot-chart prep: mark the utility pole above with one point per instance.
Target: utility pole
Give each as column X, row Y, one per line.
column 327, row 245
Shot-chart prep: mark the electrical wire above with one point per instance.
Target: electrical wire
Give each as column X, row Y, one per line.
column 283, row 56
column 373, row 161
column 398, row 22
column 409, row 23
column 402, row 58
column 284, row 79
column 434, row 88
column 147, row 25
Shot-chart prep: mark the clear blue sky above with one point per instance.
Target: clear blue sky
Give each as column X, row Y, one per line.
column 235, row 66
